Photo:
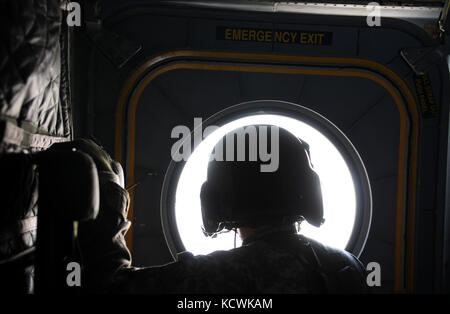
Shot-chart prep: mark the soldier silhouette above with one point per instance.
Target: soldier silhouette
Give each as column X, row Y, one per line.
column 265, row 208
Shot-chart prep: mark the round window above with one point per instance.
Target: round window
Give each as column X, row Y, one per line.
column 344, row 183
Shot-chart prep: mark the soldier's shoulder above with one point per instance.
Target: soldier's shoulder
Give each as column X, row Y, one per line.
column 343, row 271
column 330, row 255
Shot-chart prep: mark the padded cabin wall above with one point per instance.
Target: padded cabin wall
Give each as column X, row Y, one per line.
column 34, row 113
column 31, row 97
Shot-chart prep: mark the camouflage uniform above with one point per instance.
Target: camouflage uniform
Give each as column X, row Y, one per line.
column 274, row 261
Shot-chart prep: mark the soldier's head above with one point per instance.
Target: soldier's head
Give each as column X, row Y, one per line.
column 259, row 176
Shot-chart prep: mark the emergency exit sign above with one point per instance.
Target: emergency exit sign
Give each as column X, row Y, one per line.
column 315, row 38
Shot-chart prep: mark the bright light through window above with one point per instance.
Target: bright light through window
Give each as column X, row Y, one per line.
column 338, row 191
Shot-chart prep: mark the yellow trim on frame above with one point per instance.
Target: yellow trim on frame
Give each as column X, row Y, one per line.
column 402, row 188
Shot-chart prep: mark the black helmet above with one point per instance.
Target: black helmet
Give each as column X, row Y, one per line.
column 238, row 193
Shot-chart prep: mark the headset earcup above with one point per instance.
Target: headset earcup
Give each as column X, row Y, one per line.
column 314, row 210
